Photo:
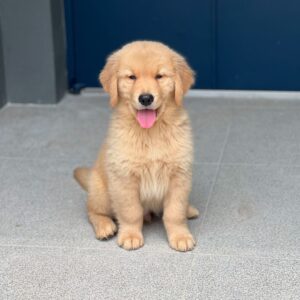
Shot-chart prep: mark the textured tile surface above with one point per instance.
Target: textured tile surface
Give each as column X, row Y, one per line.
column 53, row 132
column 210, row 124
column 54, row 274
column 214, row 277
column 254, row 210
column 245, row 184
column 264, row 136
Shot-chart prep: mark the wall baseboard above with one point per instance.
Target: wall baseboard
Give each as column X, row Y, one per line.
column 251, row 95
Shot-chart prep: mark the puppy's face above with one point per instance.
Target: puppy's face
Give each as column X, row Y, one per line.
column 146, row 75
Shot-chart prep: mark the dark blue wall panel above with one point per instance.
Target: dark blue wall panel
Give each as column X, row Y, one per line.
column 258, row 44
column 232, row 44
column 99, row 27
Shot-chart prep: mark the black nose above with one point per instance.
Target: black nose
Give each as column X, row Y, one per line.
column 146, row 99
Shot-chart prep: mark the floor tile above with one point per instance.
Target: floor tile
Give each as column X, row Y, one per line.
column 253, row 210
column 40, row 203
column 248, row 238
column 264, row 136
column 210, row 125
column 235, row 278
column 53, row 132
column 33, row 273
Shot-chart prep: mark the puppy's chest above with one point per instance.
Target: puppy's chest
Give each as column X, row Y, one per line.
column 153, row 167
column 154, row 183
column 153, row 163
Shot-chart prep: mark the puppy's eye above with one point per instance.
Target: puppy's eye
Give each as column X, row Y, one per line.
column 159, row 76
column 132, row 77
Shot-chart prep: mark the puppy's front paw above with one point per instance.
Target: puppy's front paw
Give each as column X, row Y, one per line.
column 105, row 229
column 182, row 242
column 130, row 240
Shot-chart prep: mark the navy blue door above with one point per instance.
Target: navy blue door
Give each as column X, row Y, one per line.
column 96, row 28
column 258, row 45
column 233, row 44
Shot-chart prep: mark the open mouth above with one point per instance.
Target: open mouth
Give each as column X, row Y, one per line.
column 146, row 117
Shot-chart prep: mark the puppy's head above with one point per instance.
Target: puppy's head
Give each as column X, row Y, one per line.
column 146, row 76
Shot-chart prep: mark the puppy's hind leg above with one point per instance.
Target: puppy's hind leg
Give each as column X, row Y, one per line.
column 99, row 207
column 192, row 212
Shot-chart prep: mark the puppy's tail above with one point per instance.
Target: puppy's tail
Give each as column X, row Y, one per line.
column 82, row 175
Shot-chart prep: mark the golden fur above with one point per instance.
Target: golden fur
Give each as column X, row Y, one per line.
column 138, row 170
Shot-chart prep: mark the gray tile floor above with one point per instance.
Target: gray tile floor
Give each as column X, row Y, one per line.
column 246, row 184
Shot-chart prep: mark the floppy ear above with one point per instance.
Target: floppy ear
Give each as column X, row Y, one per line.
column 184, row 78
column 108, row 78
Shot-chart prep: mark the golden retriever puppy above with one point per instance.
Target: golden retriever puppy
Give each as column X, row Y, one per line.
column 145, row 163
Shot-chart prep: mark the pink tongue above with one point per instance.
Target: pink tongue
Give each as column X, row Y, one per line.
column 146, row 117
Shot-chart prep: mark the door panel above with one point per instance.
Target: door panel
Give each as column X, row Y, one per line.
column 232, row 44
column 100, row 27
column 258, row 44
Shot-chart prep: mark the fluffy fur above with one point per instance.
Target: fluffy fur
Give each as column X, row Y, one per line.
column 138, row 170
